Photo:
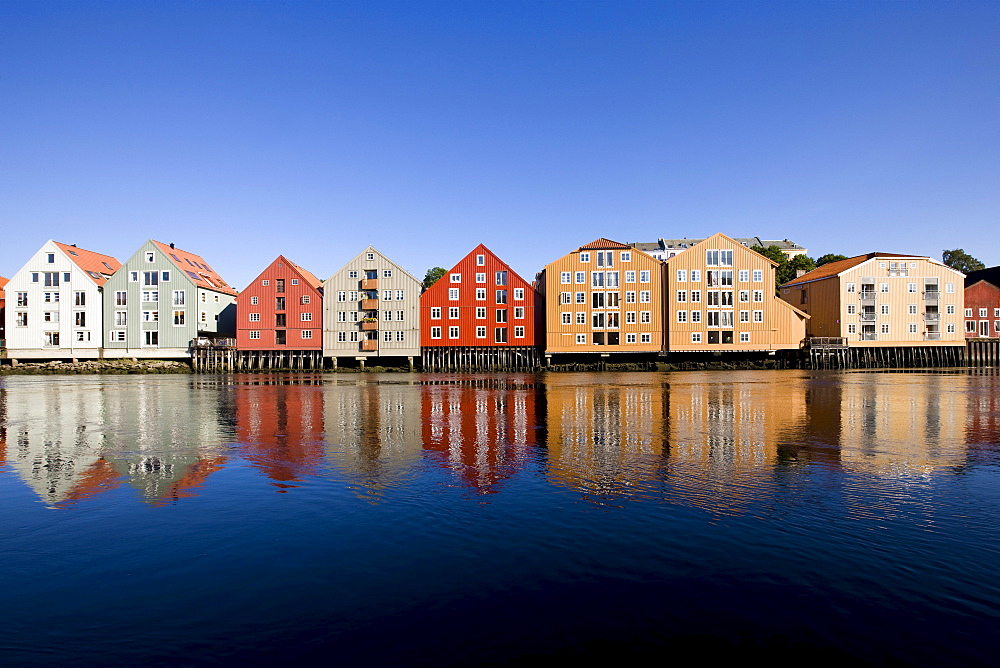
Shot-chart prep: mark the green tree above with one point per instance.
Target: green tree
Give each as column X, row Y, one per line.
column 433, row 275
column 829, row 257
column 962, row 261
column 787, row 269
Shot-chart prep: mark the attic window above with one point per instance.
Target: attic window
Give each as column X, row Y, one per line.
column 192, row 275
column 105, row 264
column 94, row 274
column 176, row 259
column 73, row 253
column 188, row 260
column 207, row 268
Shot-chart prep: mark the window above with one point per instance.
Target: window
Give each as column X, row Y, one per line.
column 912, row 328
column 581, row 318
column 581, row 338
column 695, row 316
column 456, row 278
column 682, row 295
column 21, row 319
column 968, row 313
column 80, row 319
column 885, row 328
column 852, row 309
column 370, row 256
column 480, row 312
column 51, row 279
column 581, row 298
column 305, row 317
column 682, row 275
column 744, row 337
column 387, row 273
column 644, row 316
column 970, row 326
column 500, row 335
column 519, row 332
column 480, row 293
column 695, row 337
column 79, row 298
column 883, row 287
column 518, row 313
column 564, row 297
column 150, row 316
column 22, row 298
column 696, row 275
column 950, row 328
column 682, row 316
column 501, row 296
column 949, row 288
column 758, row 316
column 435, row 332
column 629, row 297
column 150, row 278
column 436, row 312
column 566, row 277
column 644, row 276
column 696, row 296
column 480, row 260
column 150, row 256
column 121, row 318
column 744, row 296
column 265, row 282
column 179, row 318
column 151, row 337
column 630, row 277
column 581, row 277
column 758, row 295
column 204, row 316
column 584, row 257
column 279, row 285
column 983, row 312
column 950, row 310
column 567, row 318
column 453, row 332
column 630, row 338
column 501, row 315
column 452, row 294
column 712, row 258
column 597, row 279
column 150, row 296
column 744, row 316
column 626, row 256
column 452, row 312
column 744, row 275
column 387, row 336
column 518, row 294
column 885, row 309
column 481, row 330
column 758, row 275
column 644, row 296
column 481, row 277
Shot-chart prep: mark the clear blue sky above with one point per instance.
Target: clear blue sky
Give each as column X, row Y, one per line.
column 243, row 130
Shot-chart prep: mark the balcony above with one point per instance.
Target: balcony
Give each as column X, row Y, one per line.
column 369, row 345
column 932, row 336
column 867, row 317
column 369, row 284
column 931, row 295
column 369, row 304
column 869, row 336
column 866, row 295
column 932, row 316
column 369, row 326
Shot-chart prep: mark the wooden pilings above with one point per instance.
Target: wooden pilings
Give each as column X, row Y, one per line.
column 983, row 352
column 480, row 358
column 216, row 360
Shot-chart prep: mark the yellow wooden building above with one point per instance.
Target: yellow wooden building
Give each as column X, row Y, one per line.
column 882, row 299
column 720, row 298
column 605, row 297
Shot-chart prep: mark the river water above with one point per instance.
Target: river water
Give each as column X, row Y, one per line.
column 417, row 519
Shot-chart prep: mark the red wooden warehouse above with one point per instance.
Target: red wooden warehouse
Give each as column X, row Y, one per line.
column 279, row 319
column 480, row 315
column 982, row 309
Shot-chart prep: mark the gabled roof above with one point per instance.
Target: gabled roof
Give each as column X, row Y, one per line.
column 372, row 249
column 833, row 268
column 990, row 275
column 195, row 268
column 602, row 243
column 736, row 242
column 3, row 284
column 307, row 275
column 99, row 267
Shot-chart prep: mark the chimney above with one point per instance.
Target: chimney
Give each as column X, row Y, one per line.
column 171, row 246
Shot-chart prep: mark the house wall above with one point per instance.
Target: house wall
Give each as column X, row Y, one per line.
column 343, row 309
column 903, row 310
column 500, row 305
column 982, row 310
column 578, row 335
column 53, row 309
column 302, row 309
column 200, row 311
column 739, row 292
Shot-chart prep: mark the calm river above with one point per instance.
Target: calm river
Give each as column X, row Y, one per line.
column 416, row 519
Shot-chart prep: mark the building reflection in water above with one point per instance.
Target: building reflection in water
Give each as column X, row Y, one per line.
column 279, row 426
column 606, row 433
column 482, row 428
column 372, row 431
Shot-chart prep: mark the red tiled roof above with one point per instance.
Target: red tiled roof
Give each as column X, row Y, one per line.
column 98, row 267
column 603, row 243
column 3, row 284
column 196, row 269
column 314, row 282
column 833, row 268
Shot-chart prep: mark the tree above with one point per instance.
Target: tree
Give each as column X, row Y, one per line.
column 433, row 275
column 960, row 260
column 787, row 269
column 829, row 257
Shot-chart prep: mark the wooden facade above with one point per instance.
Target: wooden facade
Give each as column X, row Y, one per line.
column 481, row 314
column 982, row 310
column 720, row 297
column 281, row 309
column 162, row 300
column 605, row 297
column 371, row 310
column 882, row 299
column 56, row 309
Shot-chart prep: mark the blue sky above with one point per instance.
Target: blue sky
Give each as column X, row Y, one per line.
column 243, row 130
